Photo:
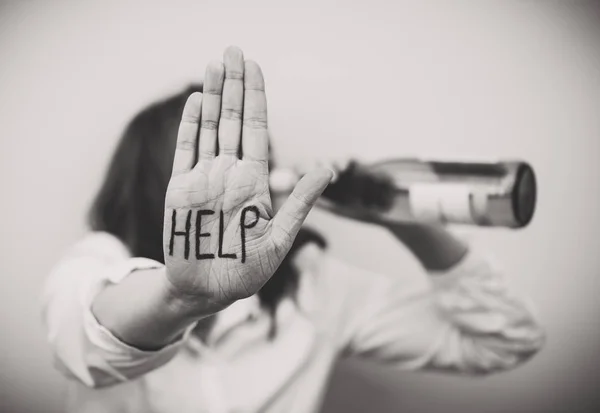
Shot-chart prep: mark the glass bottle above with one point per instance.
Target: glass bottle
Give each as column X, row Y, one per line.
column 499, row 194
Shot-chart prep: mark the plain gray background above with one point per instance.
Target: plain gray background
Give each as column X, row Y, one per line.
column 372, row 79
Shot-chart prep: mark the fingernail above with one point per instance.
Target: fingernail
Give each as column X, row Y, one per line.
column 334, row 176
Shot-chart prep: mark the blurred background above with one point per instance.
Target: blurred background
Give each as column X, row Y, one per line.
column 370, row 79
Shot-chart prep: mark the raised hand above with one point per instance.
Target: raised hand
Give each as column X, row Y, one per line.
column 222, row 241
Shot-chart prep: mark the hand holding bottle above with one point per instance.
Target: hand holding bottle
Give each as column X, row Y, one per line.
column 282, row 181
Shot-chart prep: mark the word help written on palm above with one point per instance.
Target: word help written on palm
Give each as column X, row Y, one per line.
column 221, row 240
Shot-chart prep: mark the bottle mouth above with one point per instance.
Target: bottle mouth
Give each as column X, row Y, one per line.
column 524, row 195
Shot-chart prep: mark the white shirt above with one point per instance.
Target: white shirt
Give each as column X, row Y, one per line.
column 464, row 321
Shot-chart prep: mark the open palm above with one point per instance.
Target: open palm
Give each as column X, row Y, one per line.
column 222, row 241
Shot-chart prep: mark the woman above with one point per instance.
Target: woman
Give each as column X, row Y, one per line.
column 191, row 294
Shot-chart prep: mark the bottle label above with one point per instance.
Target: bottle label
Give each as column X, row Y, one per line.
column 446, row 202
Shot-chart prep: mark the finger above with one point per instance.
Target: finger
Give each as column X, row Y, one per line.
column 255, row 138
column 338, row 166
column 211, row 109
column 187, row 136
column 294, row 211
column 232, row 105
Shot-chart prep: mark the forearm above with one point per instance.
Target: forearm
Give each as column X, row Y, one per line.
column 435, row 247
column 466, row 321
column 142, row 311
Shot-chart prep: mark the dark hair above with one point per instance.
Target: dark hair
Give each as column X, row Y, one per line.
column 130, row 203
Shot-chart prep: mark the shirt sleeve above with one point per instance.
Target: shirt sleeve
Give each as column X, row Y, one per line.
column 84, row 349
column 464, row 320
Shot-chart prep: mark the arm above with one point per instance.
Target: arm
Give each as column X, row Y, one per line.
column 147, row 321
column 462, row 320
column 85, row 349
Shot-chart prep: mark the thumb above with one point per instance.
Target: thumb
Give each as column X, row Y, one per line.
column 294, row 211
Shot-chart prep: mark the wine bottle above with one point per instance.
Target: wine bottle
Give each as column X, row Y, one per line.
column 500, row 194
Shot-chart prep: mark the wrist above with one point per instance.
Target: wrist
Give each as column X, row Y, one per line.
column 182, row 305
column 432, row 244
